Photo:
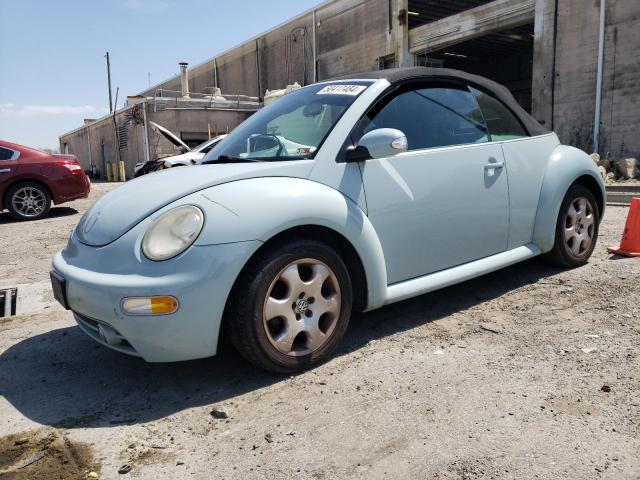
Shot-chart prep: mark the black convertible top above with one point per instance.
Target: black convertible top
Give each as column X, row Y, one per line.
column 400, row 75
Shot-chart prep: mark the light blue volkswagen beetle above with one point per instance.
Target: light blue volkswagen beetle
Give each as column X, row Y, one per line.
column 348, row 194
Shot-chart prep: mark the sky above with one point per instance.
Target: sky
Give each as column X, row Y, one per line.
column 52, row 52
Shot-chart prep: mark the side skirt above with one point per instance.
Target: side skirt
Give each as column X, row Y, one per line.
column 434, row 281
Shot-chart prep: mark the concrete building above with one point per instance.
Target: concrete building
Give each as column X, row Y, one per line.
column 126, row 135
column 575, row 64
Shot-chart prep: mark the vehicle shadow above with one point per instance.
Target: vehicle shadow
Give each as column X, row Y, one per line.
column 55, row 212
column 62, row 378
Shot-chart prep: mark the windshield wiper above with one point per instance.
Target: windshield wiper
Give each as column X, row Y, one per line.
column 230, row 159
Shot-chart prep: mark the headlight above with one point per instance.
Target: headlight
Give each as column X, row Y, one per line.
column 173, row 232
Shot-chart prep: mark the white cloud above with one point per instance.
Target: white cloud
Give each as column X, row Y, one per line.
column 12, row 110
column 148, row 6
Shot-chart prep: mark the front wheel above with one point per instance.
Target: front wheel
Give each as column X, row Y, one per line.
column 576, row 229
column 291, row 307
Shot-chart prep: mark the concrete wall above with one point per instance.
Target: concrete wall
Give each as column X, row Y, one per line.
column 351, row 35
column 95, row 144
column 576, row 62
column 620, row 116
column 193, row 121
column 576, row 70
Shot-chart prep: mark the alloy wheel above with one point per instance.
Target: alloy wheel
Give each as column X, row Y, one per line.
column 29, row 202
column 302, row 307
column 579, row 226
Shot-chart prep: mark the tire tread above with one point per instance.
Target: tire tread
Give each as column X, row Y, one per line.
column 242, row 315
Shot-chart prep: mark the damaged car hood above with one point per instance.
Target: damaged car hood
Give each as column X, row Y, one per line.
column 120, row 210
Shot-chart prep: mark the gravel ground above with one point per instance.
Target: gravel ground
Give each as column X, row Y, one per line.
column 529, row 372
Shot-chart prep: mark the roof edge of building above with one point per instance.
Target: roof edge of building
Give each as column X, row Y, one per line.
column 208, row 61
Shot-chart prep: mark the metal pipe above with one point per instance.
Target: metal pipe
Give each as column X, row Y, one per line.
column 184, row 79
column 304, row 56
column 596, row 121
column 315, row 52
column 146, row 131
column 258, row 69
column 89, row 147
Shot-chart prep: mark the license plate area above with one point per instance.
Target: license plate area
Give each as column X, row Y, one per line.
column 59, row 286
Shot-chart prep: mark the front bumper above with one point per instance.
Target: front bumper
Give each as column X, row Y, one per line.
column 97, row 279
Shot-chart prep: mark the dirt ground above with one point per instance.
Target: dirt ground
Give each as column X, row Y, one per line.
column 530, row 372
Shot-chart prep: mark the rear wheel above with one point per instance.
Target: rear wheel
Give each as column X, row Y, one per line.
column 576, row 228
column 291, row 307
column 28, row 201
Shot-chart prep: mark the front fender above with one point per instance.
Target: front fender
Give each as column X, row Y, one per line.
column 565, row 166
column 260, row 208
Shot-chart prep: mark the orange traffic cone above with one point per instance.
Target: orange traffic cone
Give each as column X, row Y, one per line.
column 630, row 244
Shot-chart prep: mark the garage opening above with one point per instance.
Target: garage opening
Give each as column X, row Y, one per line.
column 422, row 12
column 505, row 56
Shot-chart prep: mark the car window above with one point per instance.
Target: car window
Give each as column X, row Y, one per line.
column 6, row 154
column 502, row 123
column 431, row 117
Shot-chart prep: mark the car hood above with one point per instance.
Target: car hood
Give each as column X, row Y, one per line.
column 184, row 157
column 169, row 136
column 120, row 210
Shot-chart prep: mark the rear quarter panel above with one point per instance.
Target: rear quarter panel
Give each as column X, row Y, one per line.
column 565, row 166
column 526, row 161
column 62, row 184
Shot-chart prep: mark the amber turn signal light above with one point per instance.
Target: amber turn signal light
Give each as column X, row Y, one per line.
column 149, row 305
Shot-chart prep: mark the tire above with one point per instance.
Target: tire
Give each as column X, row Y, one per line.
column 576, row 229
column 28, row 201
column 308, row 283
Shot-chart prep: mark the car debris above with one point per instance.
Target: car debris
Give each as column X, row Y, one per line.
column 490, row 329
column 32, row 459
column 219, row 412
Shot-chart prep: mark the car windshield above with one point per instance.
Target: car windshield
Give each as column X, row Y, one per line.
column 291, row 128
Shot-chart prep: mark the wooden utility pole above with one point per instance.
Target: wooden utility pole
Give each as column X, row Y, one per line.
column 109, row 82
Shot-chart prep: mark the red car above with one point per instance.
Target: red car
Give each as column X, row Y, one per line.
column 30, row 180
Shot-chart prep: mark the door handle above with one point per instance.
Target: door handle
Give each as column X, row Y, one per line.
column 491, row 166
column 5, row 170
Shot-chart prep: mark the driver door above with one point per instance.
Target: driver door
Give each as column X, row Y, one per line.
column 444, row 201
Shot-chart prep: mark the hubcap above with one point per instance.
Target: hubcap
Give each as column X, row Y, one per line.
column 29, row 202
column 302, row 307
column 579, row 227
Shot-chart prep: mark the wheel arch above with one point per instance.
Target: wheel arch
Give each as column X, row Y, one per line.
column 334, row 239
column 566, row 167
column 591, row 183
column 269, row 209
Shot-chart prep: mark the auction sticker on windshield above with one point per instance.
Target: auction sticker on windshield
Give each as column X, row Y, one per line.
column 341, row 90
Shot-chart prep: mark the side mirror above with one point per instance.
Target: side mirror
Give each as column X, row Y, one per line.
column 379, row 143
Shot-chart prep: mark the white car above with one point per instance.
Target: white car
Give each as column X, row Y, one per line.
column 188, row 157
